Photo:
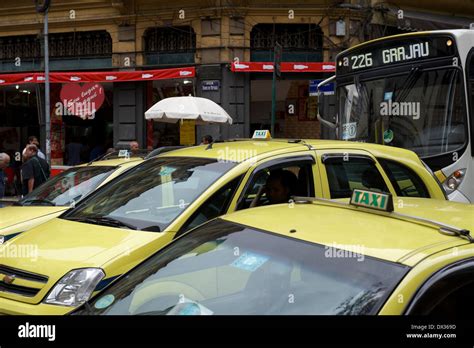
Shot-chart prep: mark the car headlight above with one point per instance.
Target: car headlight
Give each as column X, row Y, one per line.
column 2, row 239
column 453, row 181
column 76, row 287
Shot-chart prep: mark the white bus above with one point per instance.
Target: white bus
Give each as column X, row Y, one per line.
column 414, row 91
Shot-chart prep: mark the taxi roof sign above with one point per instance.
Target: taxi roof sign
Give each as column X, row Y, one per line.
column 261, row 134
column 123, row 153
column 372, row 200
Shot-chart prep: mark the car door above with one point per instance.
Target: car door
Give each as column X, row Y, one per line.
column 239, row 192
column 342, row 171
column 301, row 164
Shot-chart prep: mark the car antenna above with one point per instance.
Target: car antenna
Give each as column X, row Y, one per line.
column 302, row 142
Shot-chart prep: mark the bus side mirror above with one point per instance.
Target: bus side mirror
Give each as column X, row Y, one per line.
column 323, row 105
column 323, row 117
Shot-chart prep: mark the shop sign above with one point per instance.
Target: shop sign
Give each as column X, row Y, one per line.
column 285, row 67
column 187, row 132
column 82, row 101
column 212, row 85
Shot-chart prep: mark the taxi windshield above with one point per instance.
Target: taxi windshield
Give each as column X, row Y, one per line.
column 224, row 268
column 68, row 187
column 151, row 195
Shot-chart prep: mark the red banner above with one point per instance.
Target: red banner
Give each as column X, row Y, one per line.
column 285, row 67
column 101, row 76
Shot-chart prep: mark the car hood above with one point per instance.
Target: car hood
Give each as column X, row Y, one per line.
column 58, row 246
column 29, row 216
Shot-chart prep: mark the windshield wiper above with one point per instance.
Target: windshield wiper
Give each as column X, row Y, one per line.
column 37, row 201
column 408, row 84
column 103, row 220
column 162, row 312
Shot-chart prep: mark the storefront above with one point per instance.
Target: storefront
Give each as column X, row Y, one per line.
column 296, row 96
column 86, row 108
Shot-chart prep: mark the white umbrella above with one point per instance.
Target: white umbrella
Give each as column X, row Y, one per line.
column 202, row 110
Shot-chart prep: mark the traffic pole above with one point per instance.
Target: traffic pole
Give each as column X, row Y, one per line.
column 272, row 127
column 47, row 111
column 277, row 53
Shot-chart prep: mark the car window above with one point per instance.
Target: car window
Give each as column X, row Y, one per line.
column 346, row 173
column 458, row 304
column 449, row 293
column 151, row 195
column 224, row 268
column 299, row 180
column 213, row 207
column 405, row 181
column 69, row 186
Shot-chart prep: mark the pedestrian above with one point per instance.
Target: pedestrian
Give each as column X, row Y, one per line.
column 207, row 139
column 34, row 140
column 134, row 147
column 98, row 150
column 73, row 152
column 34, row 171
column 4, row 162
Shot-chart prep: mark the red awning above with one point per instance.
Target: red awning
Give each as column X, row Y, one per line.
column 285, row 67
column 107, row 76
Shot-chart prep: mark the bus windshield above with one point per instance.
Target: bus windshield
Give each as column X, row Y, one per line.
column 420, row 110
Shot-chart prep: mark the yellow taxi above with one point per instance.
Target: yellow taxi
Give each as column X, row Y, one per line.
column 76, row 255
column 59, row 194
column 310, row 257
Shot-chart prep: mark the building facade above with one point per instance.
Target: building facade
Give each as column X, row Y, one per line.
column 228, row 45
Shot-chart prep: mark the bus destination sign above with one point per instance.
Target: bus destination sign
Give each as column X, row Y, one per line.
column 408, row 49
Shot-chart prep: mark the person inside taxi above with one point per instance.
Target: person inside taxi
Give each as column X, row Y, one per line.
column 279, row 187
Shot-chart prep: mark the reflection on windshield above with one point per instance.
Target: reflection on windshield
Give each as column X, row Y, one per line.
column 69, row 186
column 151, row 195
column 422, row 111
column 228, row 269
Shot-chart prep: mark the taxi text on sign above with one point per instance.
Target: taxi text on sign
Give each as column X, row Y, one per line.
column 261, row 134
column 372, row 200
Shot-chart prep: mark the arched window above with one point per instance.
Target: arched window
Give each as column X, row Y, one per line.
column 80, row 44
column 78, row 49
column 170, row 45
column 19, row 46
column 301, row 42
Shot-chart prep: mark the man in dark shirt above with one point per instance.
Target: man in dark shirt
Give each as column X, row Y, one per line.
column 4, row 161
column 35, row 170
